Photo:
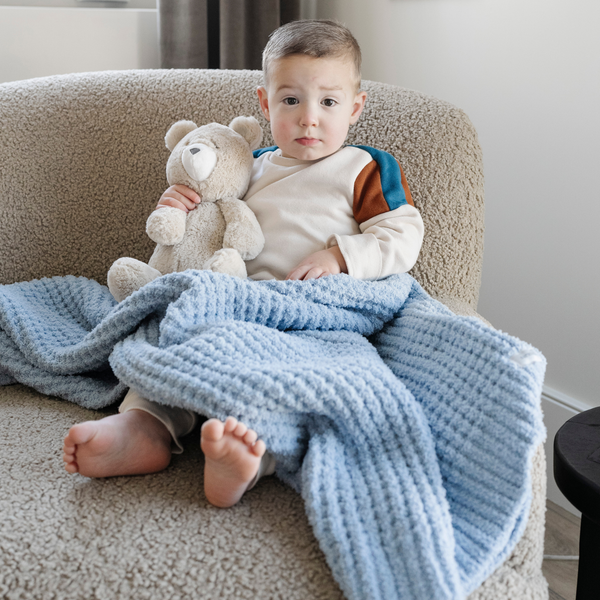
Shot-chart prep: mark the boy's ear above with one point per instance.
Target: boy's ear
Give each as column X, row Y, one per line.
column 359, row 104
column 263, row 99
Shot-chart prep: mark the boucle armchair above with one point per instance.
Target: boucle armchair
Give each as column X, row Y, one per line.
column 82, row 164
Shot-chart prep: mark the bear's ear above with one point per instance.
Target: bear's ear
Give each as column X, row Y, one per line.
column 250, row 129
column 177, row 132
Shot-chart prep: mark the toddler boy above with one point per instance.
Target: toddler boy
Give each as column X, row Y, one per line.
column 324, row 208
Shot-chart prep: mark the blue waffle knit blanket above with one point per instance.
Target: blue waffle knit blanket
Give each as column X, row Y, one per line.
column 408, row 430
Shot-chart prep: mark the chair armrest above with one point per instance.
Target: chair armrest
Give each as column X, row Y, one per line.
column 461, row 308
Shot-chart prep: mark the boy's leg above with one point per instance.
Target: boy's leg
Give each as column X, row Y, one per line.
column 233, row 460
column 133, row 442
column 178, row 421
column 141, row 438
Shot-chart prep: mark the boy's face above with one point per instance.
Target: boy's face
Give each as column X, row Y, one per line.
column 311, row 103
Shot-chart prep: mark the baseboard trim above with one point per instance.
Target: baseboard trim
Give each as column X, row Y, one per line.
column 567, row 401
column 557, row 408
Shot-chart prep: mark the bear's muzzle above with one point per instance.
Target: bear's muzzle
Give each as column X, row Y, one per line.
column 199, row 161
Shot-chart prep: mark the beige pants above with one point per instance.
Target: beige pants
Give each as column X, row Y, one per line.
column 179, row 422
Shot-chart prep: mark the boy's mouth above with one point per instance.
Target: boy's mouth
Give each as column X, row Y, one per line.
column 308, row 141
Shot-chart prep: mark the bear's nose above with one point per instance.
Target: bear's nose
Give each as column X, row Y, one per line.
column 194, row 150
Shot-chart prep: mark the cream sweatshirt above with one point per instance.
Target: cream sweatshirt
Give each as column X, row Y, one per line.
column 356, row 198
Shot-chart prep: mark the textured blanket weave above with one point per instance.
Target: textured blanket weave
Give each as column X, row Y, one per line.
column 408, row 430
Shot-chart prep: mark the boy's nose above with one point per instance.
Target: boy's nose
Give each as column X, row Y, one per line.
column 309, row 118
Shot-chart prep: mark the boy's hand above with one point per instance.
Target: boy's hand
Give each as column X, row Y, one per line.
column 320, row 264
column 181, row 197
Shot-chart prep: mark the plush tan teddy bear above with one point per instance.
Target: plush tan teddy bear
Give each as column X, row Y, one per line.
column 221, row 232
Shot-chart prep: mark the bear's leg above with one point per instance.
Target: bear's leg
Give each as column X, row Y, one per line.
column 128, row 275
column 228, row 261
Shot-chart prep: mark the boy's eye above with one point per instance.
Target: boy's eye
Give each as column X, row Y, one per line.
column 329, row 102
column 290, row 101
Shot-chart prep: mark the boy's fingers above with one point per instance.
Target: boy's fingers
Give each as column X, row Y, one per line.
column 298, row 273
column 181, row 197
column 173, row 203
column 187, row 193
column 307, row 271
column 189, row 204
column 177, row 200
column 314, row 273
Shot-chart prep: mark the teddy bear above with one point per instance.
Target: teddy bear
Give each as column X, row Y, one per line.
column 221, row 232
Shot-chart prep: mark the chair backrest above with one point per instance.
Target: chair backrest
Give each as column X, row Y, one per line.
column 82, row 164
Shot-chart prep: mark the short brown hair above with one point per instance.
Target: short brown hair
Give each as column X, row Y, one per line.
column 318, row 38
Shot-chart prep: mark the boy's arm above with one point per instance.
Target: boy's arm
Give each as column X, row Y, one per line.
column 389, row 243
column 391, row 227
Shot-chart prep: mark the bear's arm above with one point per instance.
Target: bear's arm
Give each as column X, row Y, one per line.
column 242, row 231
column 166, row 225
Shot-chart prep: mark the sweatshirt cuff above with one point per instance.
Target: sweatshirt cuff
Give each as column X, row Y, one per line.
column 361, row 253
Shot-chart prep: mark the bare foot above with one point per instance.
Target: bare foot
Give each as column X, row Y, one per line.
column 129, row 443
column 232, row 457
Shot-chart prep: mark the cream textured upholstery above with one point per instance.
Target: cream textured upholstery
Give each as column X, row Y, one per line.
column 82, row 163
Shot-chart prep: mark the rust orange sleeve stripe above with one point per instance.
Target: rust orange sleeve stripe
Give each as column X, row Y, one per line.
column 369, row 200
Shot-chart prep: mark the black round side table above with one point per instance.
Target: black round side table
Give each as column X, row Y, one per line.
column 577, row 474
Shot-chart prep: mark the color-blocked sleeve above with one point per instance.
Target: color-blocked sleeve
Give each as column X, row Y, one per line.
column 391, row 227
column 380, row 187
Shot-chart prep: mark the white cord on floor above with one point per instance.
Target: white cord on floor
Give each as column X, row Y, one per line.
column 559, row 557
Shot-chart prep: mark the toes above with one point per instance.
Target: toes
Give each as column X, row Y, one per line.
column 230, row 424
column 250, row 437
column 259, row 448
column 69, row 458
column 68, row 449
column 212, row 430
column 240, row 430
column 71, row 467
column 81, row 434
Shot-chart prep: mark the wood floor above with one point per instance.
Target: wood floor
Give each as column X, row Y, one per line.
column 562, row 538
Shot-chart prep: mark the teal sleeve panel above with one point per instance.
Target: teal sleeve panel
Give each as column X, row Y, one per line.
column 391, row 177
column 260, row 151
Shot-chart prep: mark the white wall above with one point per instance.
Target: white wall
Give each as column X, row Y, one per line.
column 37, row 41
column 527, row 72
